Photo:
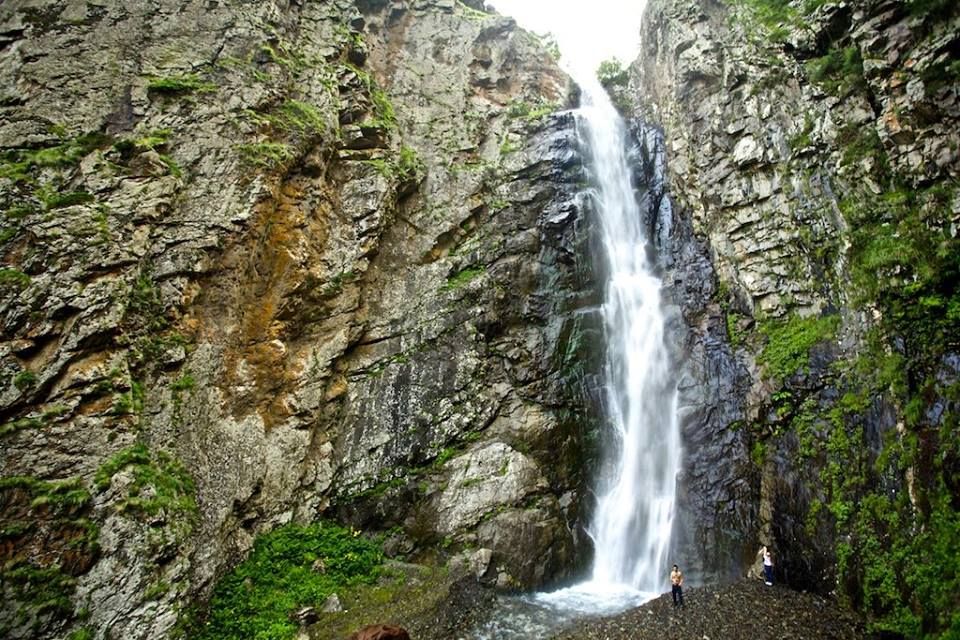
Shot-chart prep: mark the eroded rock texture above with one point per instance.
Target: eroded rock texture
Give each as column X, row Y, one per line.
column 280, row 260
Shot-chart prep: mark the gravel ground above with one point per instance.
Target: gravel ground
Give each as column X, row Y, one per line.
column 747, row 610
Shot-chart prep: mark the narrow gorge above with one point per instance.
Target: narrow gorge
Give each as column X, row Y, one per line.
column 306, row 320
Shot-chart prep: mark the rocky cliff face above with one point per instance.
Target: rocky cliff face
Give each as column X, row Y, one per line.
column 280, row 261
column 812, row 150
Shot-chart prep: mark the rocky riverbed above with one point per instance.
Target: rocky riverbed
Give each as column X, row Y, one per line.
column 744, row 609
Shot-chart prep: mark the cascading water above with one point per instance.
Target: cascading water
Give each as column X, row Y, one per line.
column 636, row 485
column 634, row 513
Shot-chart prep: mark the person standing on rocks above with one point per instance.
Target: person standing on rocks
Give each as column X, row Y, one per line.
column 767, row 566
column 676, row 580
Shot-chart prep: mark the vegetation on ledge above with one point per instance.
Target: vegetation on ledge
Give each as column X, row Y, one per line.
column 289, row 568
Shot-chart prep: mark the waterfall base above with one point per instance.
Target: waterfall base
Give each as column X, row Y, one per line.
column 541, row 615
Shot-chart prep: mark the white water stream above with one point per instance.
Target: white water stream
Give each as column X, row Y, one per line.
column 634, row 515
column 636, row 488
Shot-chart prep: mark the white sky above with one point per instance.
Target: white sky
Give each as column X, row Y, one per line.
column 588, row 31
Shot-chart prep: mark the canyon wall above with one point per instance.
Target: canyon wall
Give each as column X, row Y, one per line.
column 812, row 155
column 281, row 261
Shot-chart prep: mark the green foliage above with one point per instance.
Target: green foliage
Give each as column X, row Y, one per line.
column 773, row 15
column 149, row 349
column 444, row 456
column 531, row 113
column 292, row 119
column 409, row 165
column 52, row 199
column 611, row 73
column 156, row 591
column 462, row 278
column 778, row 17
column 899, row 553
column 471, row 13
column 383, row 112
column 549, row 42
column 84, row 633
column 34, row 585
column 903, row 257
column 177, row 85
column 172, row 165
column 289, row 568
column 37, row 592
column 863, row 143
column 13, row 279
column 20, row 424
column 283, row 53
column 145, row 308
column 160, row 483
column 405, row 167
column 840, row 71
column 24, row 380
column 60, row 496
column 21, row 165
column 266, row 155
column 802, row 139
column 789, row 340
column 153, row 139
column 185, row 382
column 507, row 145
column 130, row 402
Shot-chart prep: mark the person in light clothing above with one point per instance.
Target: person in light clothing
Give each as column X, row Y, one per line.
column 767, row 566
column 676, row 580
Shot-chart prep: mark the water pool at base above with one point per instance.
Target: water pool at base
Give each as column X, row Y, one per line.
column 541, row 615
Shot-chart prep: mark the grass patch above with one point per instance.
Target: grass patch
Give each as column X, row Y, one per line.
column 840, row 71
column 787, row 349
column 462, row 278
column 24, row 380
column 289, row 568
column 19, row 425
column 530, row 112
column 266, row 155
column 46, row 542
column 178, row 85
column 58, row 496
column 21, row 164
column 13, row 279
column 291, row 119
column 160, row 483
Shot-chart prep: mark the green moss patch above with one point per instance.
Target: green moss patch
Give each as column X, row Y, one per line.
column 177, row 85
column 462, row 278
column 789, row 341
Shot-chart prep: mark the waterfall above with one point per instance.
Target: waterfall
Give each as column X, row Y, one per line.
column 635, row 495
column 635, row 487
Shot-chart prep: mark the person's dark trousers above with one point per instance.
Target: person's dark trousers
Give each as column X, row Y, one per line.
column 677, row 595
column 768, row 572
